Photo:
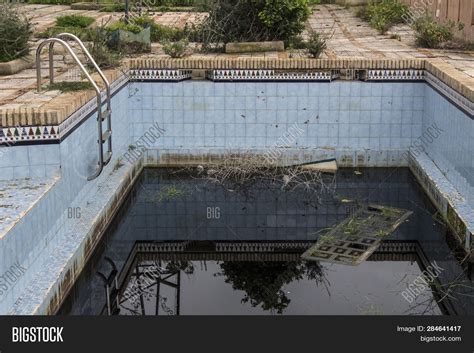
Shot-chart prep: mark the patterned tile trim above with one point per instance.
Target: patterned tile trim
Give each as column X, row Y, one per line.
column 398, row 75
column 11, row 135
column 270, row 75
column 154, row 75
column 450, row 93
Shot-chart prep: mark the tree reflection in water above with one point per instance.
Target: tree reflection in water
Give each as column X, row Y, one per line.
column 263, row 281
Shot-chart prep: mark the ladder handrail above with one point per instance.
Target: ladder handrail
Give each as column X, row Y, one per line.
column 89, row 78
column 99, row 71
column 89, row 56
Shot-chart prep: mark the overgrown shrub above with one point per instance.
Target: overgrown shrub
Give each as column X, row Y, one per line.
column 253, row 20
column 102, row 54
column 15, row 32
column 130, row 27
column 430, row 33
column 51, row 2
column 160, row 33
column 70, row 86
column 285, row 18
column 295, row 42
column 176, row 49
column 75, row 24
column 113, row 8
column 85, row 34
column 315, row 44
column 74, row 21
column 384, row 14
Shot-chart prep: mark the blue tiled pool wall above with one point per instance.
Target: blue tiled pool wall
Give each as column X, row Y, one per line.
column 345, row 117
column 18, row 162
column 48, row 219
column 453, row 150
column 375, row 122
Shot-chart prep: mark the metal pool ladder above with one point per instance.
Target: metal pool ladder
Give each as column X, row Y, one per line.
column 101, row 115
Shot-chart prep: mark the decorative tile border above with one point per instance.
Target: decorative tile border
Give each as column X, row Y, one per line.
column 270, row 75
column 11, row 135
column 452, row 95
column 396, row 75
column 159, row 75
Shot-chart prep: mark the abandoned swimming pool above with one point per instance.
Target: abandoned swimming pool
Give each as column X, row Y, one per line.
column 181, row 245
column 58, row 209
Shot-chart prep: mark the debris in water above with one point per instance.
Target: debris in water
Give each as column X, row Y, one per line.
column 326, row 166
column 353, row 240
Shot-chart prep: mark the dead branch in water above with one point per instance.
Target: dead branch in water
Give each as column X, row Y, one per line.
column 239, row 171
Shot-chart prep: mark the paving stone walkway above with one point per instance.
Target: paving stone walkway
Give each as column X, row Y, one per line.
column 349, row 37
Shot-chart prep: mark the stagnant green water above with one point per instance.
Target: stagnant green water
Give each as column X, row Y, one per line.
column 182, row 245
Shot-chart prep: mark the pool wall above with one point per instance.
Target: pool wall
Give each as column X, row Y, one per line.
column 358, row 123
column 453, row 150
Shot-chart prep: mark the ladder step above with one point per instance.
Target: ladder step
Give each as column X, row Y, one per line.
column 106, row 135
column 107, row 157
column 106, row 114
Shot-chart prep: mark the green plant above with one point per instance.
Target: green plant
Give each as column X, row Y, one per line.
column 159, row 33
column 74, row 21
column 431, row 34
column 68, row 86
column 118, row 164
column 113, row 8
column 295, row 42
column 176, row 49
column 103, row 56
column 169, row 193
column 51, row 2
column 384, row 14
column 316, row 44
column 75, row 24
column 131, row 27
column 85, row 34
column 285, row 18
column 15, row 32
column 253, row 20
column 323, row 239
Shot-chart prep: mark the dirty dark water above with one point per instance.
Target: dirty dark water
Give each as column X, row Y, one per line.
column 201, row 249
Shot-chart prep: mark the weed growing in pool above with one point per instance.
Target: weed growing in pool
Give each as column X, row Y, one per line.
column 170, row 193
column 323, row 239
column 118, row 164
